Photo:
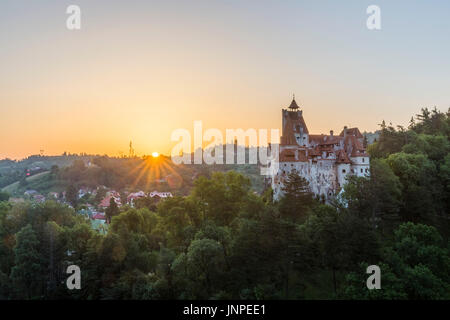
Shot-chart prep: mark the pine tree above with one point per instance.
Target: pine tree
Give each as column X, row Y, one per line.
column 297, row 199
column 112, row 210
column 72, row 195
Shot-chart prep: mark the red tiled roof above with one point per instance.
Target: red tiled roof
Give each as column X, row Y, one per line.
column 106, row 200
column 135, row 195
column 324, row 139
column 296, row 119
column 294, row 123
column 342, row 157
column 99, row 216
column 354, row 146
column 288, row 155
column 352, row 132
column 314, row 152
column 349, row 145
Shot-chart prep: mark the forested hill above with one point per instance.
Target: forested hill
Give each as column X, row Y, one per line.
column 418, row 159
column 12, row 171
column 224, row 241
column 91, row 171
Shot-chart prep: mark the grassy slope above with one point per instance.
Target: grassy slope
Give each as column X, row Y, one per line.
column 15, row 188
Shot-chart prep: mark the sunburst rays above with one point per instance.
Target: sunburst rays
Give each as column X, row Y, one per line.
column 152, row 170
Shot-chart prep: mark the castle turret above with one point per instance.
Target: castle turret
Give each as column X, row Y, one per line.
column 294, row 131
column 294, row 106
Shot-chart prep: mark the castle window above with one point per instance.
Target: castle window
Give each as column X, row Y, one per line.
column 361, row 170
column 362, row 159
column 343, row 171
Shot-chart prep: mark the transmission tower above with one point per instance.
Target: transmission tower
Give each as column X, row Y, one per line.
column 131, row 153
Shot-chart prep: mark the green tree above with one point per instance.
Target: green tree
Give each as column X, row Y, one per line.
column 416, row 265
column 297, row 198
column 376, row 198
column 265, row 254
column 78, row 165
column 72, row 195
column 422, row 195
column 221, row 197
column 54, row 171
column 101, row 193
column 145, row 202
column 204, row 263
column 432, row 122
column 26, row 275
column 341, row 240
column 112, row 210
column 4, row 196
column 436, row 147
column 390, row 141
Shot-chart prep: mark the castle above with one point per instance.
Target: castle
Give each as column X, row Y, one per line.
column 324, row 161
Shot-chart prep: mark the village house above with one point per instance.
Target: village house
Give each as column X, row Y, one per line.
column 30, row 193
column 133, row 196
column 99, row 216
column 160, row 195
column 107, row 199
column 39, row 198
column 53, row 195
column 83, row 191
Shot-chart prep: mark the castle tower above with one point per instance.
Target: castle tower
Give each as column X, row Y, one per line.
column 294, row 129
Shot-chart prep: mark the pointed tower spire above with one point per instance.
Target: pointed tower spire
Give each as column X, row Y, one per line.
column 293, row 105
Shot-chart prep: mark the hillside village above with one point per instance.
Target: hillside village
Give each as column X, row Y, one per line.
column 89, row 208
column 88, row 183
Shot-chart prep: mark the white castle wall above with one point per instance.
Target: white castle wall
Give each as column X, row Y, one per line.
column 360, row 166
column 321, row 176
column 325, row 176
column 343, row 170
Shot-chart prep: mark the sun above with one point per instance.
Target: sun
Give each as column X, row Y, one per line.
column 155, row 154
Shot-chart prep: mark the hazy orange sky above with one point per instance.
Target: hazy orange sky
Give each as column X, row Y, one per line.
column 137, row 70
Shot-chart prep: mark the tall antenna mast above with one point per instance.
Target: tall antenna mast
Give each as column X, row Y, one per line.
column 131, row 154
